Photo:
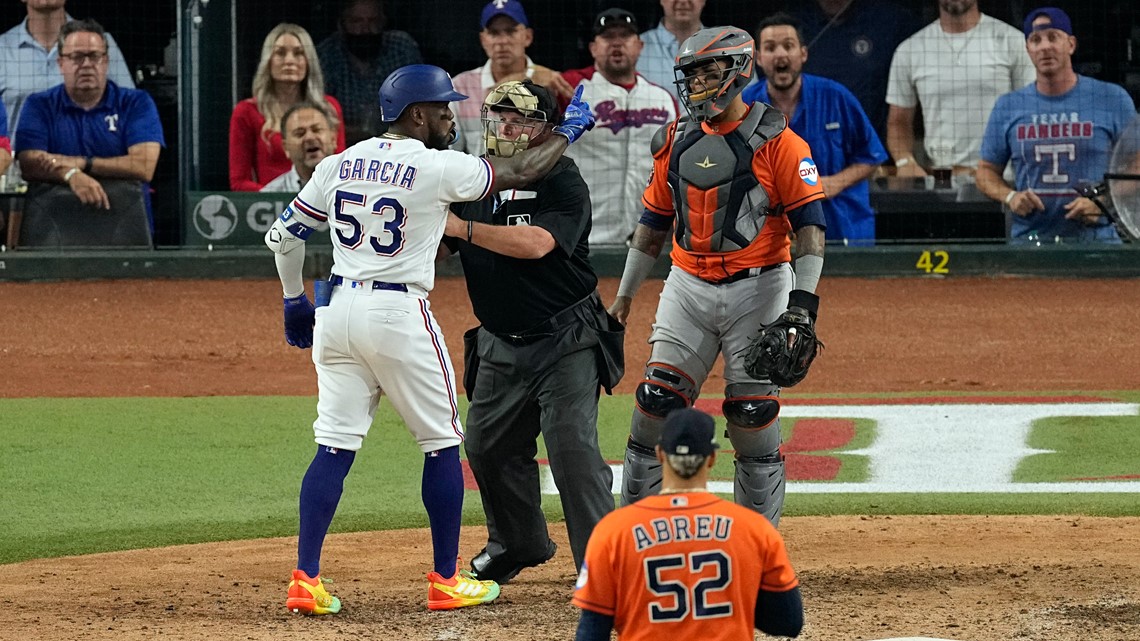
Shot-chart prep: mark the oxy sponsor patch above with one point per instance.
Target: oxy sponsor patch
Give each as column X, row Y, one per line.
column 809, row 173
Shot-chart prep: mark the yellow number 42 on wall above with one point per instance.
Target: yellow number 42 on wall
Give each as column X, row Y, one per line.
column 934, row 262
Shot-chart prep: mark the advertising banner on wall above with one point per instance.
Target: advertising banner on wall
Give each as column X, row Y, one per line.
column 234, row 218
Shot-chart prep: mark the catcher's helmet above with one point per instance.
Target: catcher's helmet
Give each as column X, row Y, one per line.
column 412, row 84
column 533, row 102
column 703, row 96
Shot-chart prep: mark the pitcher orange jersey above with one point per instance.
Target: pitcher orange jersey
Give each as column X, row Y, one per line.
column 682, row 566
column 784, row 168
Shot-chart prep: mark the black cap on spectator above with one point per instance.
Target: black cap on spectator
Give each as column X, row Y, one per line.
column 615, row 18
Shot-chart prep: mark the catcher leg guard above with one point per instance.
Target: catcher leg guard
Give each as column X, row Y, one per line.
column 664, row 389
column 751, row 405
column 760, row 485
column 641, row 472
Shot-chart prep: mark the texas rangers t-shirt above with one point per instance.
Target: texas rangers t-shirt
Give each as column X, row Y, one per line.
column 385, row 200
column 1056, row 143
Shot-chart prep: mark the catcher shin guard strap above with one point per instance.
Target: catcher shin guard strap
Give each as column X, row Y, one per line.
column 760, row 485
column 638, row 264
column 320, row 493
column 441, row 489
column 808, row 269
column 641, row 472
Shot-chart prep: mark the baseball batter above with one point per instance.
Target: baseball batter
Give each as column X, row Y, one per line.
column 686, row 564
column 731, row 182
column 385, row 200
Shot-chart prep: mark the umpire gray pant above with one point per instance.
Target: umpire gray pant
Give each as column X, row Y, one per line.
column 549, row 386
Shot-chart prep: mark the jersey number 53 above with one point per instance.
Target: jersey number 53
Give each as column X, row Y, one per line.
column 391, row 239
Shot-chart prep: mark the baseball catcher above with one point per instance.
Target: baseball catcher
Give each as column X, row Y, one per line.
column 784, row 350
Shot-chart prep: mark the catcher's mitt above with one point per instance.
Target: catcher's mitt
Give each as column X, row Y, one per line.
column 784, row 350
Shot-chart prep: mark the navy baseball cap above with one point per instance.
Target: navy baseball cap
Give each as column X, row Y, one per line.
column 512, row 9
column 689, row 431
column 615, row 18
column 1057, row 20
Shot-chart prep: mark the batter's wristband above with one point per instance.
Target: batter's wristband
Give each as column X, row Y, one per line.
column 638, row 264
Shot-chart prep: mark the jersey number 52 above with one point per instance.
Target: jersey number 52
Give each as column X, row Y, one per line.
column 390, row 211
column 681, row 598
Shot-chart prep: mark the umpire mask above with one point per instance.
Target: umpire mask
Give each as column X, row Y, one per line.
column 514, row 115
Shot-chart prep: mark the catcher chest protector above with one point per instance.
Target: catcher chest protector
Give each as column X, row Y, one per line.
column 722, row 165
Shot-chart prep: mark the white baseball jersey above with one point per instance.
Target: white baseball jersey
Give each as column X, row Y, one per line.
column 614, row 157
column 386, row 201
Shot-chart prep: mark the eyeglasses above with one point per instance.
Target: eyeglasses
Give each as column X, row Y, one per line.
column 78, row 57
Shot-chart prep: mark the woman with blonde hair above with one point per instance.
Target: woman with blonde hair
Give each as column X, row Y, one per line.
column 289, row 72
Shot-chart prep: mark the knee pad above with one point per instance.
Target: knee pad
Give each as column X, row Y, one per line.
column 750, row 405
column 760, row 485
column 664, row 389
column 641, row 472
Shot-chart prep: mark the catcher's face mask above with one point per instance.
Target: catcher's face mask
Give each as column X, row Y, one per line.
column 511, row 119
column 713, row 67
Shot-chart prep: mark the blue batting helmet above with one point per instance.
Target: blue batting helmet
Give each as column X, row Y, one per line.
column 412, row 84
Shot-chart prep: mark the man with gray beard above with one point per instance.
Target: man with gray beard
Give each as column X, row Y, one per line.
column 955, row 67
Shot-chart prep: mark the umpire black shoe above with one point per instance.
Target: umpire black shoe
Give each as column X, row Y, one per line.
column 501, row 569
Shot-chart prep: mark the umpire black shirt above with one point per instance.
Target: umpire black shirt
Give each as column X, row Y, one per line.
column 513, row 295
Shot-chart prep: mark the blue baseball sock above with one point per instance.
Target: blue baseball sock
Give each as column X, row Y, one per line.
column 320, row 494
column 442, row 492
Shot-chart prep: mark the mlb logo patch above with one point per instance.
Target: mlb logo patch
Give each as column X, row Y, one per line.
column 384, row 145
column 808, row 172
column 518, row 219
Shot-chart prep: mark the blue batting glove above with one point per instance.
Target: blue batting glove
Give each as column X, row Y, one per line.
column 577, row 120
column 299, row 319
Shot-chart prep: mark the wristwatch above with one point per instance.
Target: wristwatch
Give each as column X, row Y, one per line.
column 1009, row 196
column 902, row 162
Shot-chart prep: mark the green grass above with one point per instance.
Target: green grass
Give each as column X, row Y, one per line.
column 89, row 475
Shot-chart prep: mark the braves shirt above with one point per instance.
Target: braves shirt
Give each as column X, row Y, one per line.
column 385, row 200
column 682, row 566
column 1055, row 143
column 615, row 157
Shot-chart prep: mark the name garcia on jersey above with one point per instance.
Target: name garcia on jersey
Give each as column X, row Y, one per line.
column 699, row 527
column 379, row 171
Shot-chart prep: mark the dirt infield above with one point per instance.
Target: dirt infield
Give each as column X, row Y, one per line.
column 961, row 578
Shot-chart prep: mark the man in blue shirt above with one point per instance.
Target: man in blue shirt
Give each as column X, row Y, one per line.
column 82, row 136
column 852, row 42
column 824, row 113
column 28, row 55
column 682, row 19
column 1058, row 132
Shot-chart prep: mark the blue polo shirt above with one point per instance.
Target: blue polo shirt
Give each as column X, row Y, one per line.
column 831, row 121
column 50, row 121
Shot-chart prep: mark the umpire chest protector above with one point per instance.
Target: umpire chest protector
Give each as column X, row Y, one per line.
column 720, row 204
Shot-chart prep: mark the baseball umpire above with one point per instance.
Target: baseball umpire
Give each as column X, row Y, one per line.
column 731, row 182
column 545, row 346
column 385, row 200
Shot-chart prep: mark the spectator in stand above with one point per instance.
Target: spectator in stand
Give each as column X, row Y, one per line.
column 955, row 67
column 615, row 156
column 505, row 36
column 682, row 19
column 358, row 58
column 308, row 135
column 1058, row 132
column 287, row 74
column 92, row 145
column 28, row 55
column 5, row 143
column 828, row 117
column 851, row 42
